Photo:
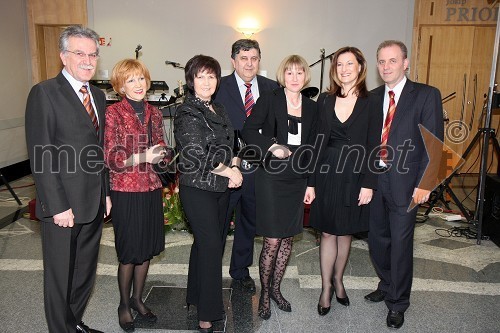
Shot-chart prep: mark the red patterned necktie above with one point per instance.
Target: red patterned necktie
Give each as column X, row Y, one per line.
column 249, row 102
column 87, row 103
column 387, row 126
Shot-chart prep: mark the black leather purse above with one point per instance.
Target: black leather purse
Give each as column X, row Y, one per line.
column 163, row 169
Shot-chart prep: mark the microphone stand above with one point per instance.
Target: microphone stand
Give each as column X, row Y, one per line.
column 322, row 60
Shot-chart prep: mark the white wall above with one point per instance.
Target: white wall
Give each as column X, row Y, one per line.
column 177, row 30
column 15, row 83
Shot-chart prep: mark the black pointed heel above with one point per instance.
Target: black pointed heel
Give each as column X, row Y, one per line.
column 323, row 311
column 128, row 326
column 148, row 316
column 281, row 302
column 344, row 301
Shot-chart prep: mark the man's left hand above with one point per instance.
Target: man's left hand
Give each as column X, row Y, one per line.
column 420, row 195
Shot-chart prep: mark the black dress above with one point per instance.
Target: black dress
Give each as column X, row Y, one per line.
column 335, row 209
column 279, row 196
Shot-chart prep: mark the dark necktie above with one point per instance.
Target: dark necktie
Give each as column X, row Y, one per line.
column 387, row 126
column 87, row 103
column 249, row 102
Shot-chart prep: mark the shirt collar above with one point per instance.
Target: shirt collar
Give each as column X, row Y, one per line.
column 75, row 84
column 397, row 89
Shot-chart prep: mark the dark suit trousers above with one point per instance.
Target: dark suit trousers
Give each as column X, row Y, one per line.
column 243, row 200
column 390, row 241
column 206, row 213
column 69, row 265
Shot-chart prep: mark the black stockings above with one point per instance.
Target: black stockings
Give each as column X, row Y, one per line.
column 272, row 264
column 128, row 274
column 333, row 254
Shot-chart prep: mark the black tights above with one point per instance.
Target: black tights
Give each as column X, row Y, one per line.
column 129, row 274
column 272, row 264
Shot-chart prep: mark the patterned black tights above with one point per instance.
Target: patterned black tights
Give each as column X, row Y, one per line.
column 272, row 264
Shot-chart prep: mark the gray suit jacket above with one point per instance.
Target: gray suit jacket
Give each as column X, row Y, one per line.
column 66, row 153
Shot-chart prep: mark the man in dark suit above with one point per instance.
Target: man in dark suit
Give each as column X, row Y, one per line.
column 64, row 132
column 403, row 162
column 245, row 57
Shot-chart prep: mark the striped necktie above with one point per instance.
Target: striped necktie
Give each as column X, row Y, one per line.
column 87, row 103
column 249, row 102
column 387, row 127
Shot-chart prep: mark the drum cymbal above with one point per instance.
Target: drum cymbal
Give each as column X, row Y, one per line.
column 310, row 92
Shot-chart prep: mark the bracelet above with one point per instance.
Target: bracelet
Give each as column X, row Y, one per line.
column 235, row 166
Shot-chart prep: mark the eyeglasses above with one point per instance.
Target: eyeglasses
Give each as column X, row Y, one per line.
column 82, row 56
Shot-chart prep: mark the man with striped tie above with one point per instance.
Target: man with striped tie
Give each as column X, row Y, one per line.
column 64, row 135
column 238, row 92
column 403, row 161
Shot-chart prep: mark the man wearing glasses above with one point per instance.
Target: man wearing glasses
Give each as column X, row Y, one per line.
column 64, row 134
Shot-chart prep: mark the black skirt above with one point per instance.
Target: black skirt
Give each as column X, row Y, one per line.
column 279, row 203
column 137, row 219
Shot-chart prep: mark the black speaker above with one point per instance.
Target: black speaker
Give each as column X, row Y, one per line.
column 491, row 208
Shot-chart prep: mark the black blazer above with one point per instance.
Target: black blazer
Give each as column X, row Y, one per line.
column 204, row 139
column 270, row 115
column 418, row 104
column 229, row 95
column 66, row 154
column 363, row 132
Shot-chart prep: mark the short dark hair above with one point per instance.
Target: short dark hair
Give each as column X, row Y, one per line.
column 76, row 31
column 392, row 42
column 245, row 45
column 200, row 63
column 360, row 86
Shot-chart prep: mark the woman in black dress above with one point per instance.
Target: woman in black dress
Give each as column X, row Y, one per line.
column 204, row 138
column 351, row 122
column 283, row 126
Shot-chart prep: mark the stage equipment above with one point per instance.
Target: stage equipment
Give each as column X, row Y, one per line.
column 10, row 189
column 322, row 61
column 310, row 92
column 174, row 64
column 491, row 222
column 137, row 49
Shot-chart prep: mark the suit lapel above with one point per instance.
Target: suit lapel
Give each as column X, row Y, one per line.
column 234, row 92
column 359, row 106
column 73, row 99
column 403, row 106
column 280, row 110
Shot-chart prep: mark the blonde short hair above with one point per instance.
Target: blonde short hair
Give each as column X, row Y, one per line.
column 290, row 62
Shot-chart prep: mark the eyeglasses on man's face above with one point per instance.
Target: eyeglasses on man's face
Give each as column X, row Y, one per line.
column 82, row 56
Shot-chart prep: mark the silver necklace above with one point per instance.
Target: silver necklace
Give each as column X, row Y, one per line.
column 290, row 104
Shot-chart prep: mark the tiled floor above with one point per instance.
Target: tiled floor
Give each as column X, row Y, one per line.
column 456, row 285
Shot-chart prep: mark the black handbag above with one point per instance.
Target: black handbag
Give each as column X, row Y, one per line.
column 163, row 168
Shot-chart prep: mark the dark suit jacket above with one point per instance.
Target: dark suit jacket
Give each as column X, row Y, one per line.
column 418, row 104
column 363, row 132
column 270, row 114
column 229, row 95
column 66, row 154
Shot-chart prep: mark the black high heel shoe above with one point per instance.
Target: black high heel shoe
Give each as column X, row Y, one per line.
column 128, row 326
column 344, row 300
column 263, row 312
column 323, row 311
column 281, row 302
column 148, row 316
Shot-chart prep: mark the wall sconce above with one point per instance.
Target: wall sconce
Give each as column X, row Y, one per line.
column 248, row 27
